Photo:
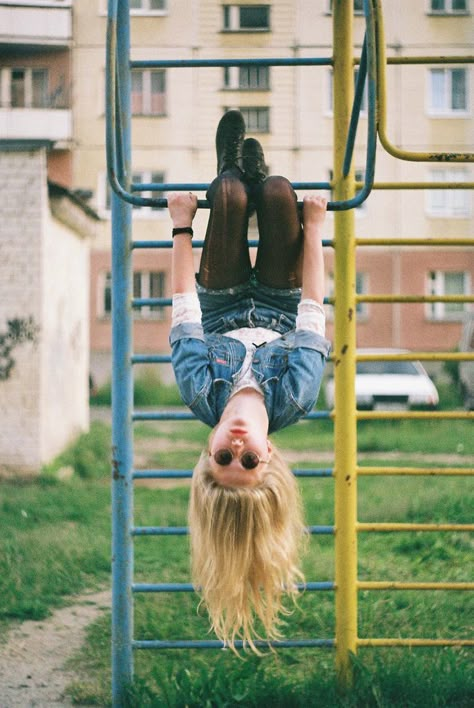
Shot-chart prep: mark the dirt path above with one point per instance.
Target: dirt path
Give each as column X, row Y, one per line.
column 32, row 660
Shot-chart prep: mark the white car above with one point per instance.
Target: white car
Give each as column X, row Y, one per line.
column 389, row 385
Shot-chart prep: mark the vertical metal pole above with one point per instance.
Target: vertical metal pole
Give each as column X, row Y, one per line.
column 122, row 386
column 344, row 353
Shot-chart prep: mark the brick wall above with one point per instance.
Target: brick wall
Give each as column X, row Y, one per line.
column 44, row 275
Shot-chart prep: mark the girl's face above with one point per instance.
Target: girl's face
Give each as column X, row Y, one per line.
column 246, row 452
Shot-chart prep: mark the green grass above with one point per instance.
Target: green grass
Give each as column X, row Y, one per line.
column 56, row 542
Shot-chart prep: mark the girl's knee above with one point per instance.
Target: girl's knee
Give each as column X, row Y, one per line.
column 277, row 188
column 230, row 189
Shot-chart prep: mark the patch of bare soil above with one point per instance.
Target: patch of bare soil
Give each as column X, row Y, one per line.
column 33, row 658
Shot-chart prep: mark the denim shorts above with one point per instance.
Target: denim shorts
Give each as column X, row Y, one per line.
column 249, row 304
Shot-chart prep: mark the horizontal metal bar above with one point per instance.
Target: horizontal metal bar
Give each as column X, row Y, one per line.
column 260, row 61
column 427, row 415
column 416, row 471
column 414, row 298
column 204, row 186
column 425, row 59
column 252, row 243
column 416, row 356
column 327, row 186
column 139, row 302
column 169, row 244
column 162, row 474
column 288, row 61
column 159, row 531
column 187, row 474
column 183, row 530
column 422, row 185
column 165, row 415
column 322, row 472
column 398, row 642
column 388, row 585
column 429, row 242
column 151, row 359
column 189, row 587
column 413, row 527
column 176, row 415
column 216, row 644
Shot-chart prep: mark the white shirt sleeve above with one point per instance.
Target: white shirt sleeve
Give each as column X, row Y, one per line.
column 186, row 308
column 311, row 316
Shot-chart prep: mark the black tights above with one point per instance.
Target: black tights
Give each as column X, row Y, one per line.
column 225, row 259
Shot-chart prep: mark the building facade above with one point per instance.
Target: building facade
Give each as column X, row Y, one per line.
column 289, row 109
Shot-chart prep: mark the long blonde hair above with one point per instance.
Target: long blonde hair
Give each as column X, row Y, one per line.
column 246, row 544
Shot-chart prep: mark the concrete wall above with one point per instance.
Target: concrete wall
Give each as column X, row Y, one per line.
column 43, row 274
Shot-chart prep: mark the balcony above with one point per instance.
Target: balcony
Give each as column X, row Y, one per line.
column 36, row 23
column 36, row 124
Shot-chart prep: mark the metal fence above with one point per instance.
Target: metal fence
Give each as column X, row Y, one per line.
column 347, row 195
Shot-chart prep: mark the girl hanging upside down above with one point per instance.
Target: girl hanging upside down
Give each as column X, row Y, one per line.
column 248, row 351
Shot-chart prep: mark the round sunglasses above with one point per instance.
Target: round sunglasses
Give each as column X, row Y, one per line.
column 248, row 459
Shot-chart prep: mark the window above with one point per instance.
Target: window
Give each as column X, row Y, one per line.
column 146, row 284
column 447, row 283
column 149, row 284
column 144, row 177
column 358, row 7
column 449, row 7
column 148, row 6
column 251, row 77
column 105, row 288
column 448, row 202
column 28, row 88
column 246, row 18
column 363, row 103
column 257, row 120
column 362, row 308
column 148, row 92
column 448, row 91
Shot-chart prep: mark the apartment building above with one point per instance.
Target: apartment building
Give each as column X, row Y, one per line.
column 35, row 80
column 45, row 231
column 289, row 109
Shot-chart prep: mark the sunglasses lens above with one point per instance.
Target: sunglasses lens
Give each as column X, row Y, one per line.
column 223, row 457
column 249, row 460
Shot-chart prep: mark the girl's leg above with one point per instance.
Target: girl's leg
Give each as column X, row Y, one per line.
column 225, row 259
column 280, row 251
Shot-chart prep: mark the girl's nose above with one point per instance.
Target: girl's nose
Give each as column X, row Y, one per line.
column 237, row 442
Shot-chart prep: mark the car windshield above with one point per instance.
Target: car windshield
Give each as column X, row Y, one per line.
column 402, row 368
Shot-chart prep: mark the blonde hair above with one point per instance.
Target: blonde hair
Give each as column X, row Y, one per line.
column 246, row 544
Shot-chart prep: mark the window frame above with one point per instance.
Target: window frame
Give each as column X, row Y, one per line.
column 357, row 12
column 104, row 194
column 438, row 311
column 448, row 11
column 147, row 11
column 232, row 78
column 251, row 127
column 362, row 288
column 147, row 93
column 40, row 3
column 7, row 90
column 231, row 18
column 448, row 209
column 147, row 312
column 446, row 112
